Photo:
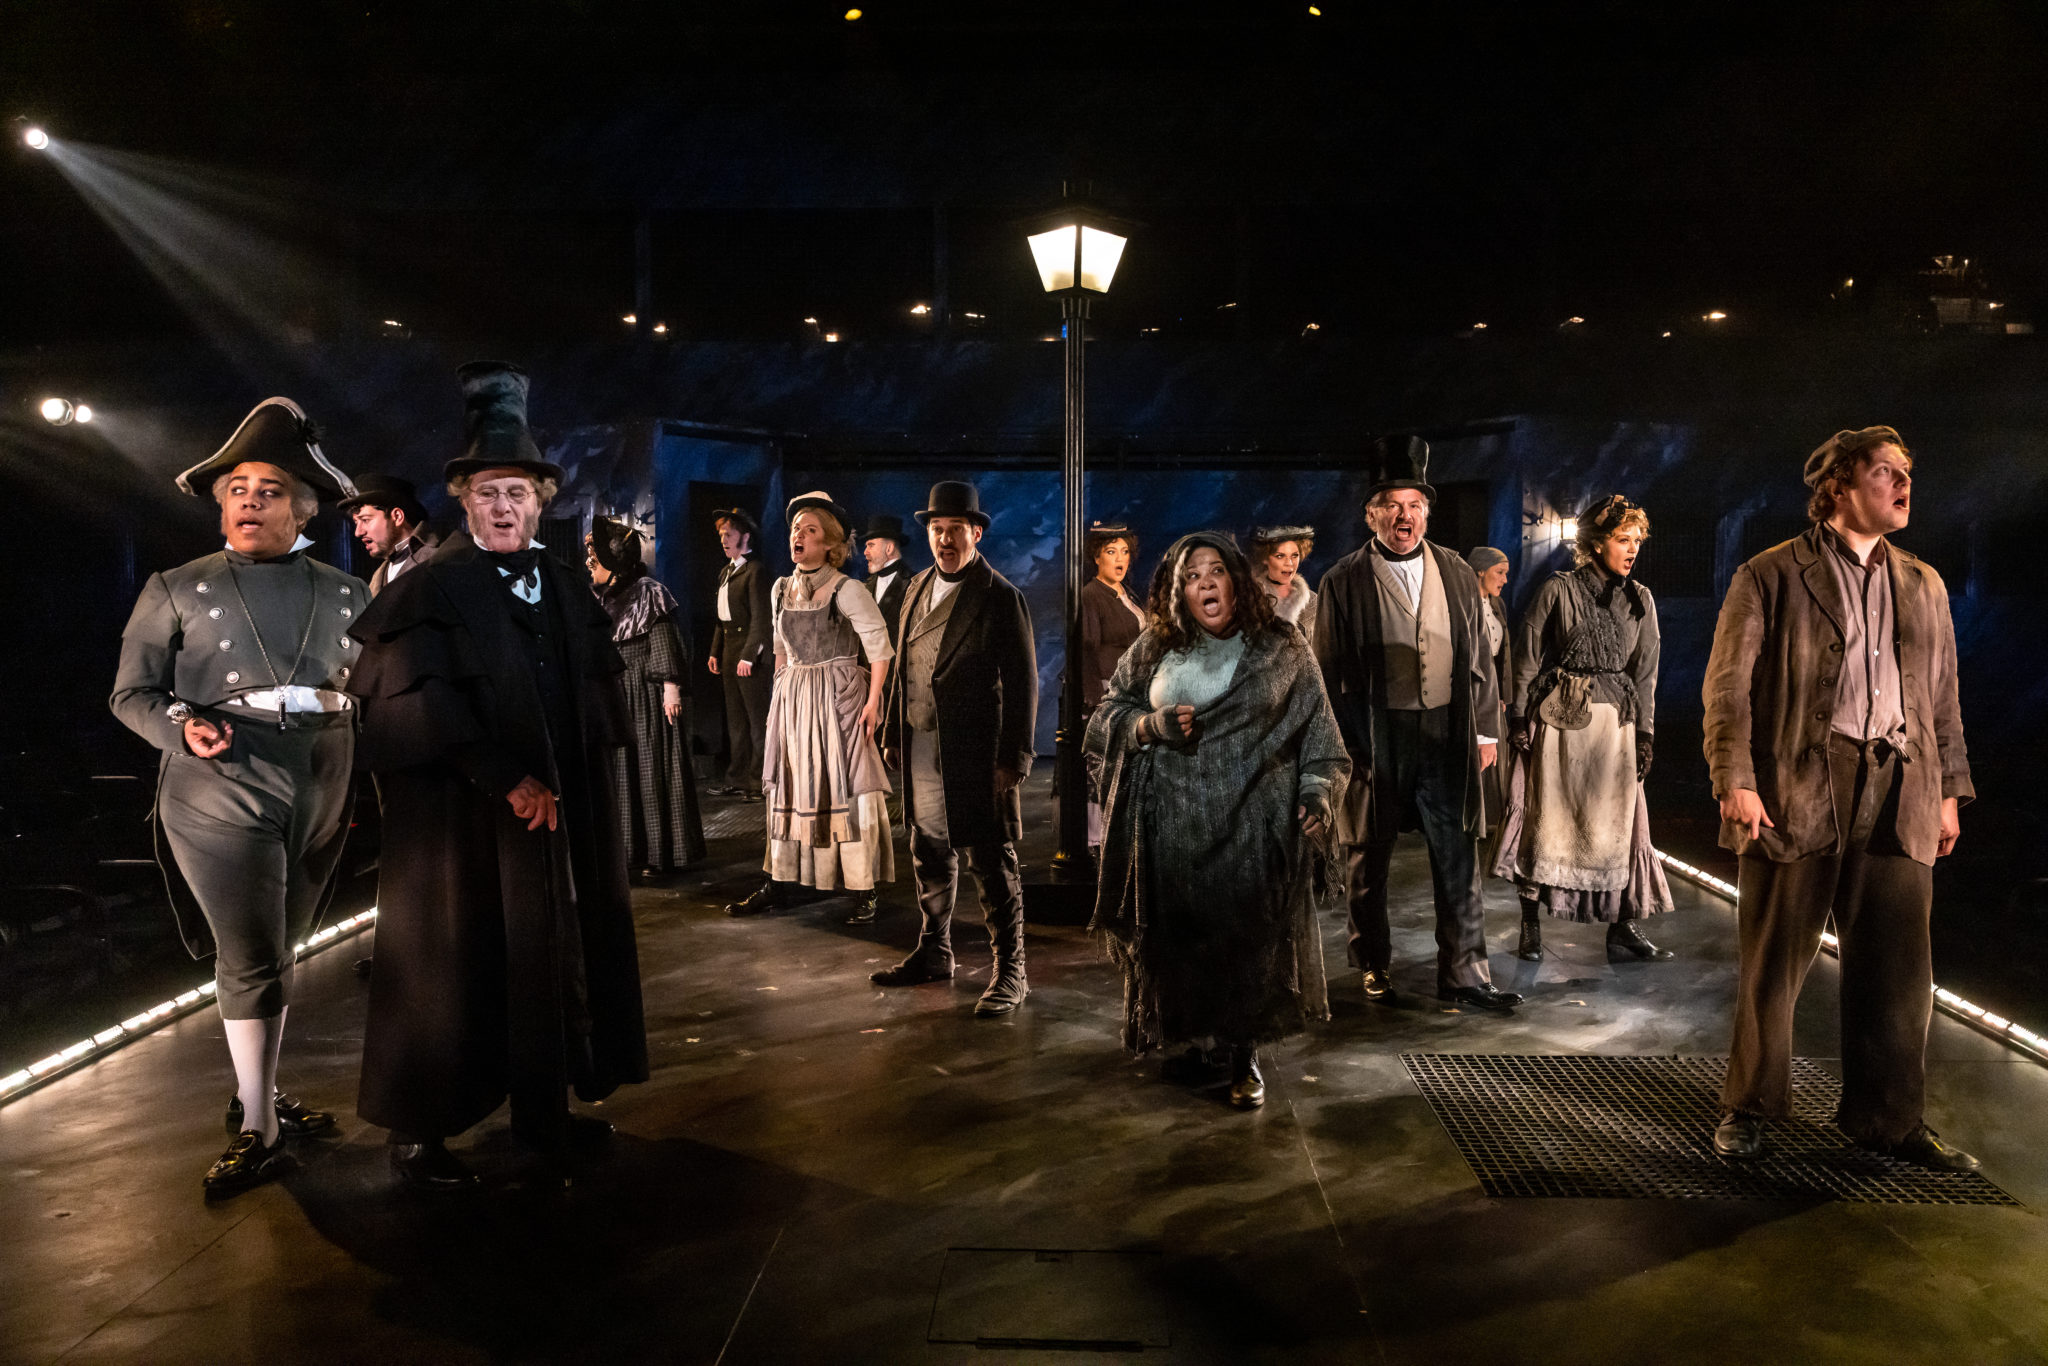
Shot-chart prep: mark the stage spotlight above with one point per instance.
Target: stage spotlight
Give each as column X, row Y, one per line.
column 82, row 413
column 36, row 138
column 57, row 411
column 919, row 310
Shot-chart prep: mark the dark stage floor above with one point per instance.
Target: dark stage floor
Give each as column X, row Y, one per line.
column 823, row 1172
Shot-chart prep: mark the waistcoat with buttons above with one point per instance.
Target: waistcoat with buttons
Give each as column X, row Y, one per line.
column 921, row 654
column 218, row 654
column 1415, row 645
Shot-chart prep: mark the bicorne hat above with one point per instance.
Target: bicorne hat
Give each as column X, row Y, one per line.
column 386, row 491
column 822, row 501
column 495, row 434
column 1399, row 462
column 953, row 498
column 276, row 432
column 886, row 525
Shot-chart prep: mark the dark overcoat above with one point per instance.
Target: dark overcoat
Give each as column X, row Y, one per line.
column 1107, row 630
column 1770, row 699
column 985, row 685
column 1348, row 647
column 506, row 962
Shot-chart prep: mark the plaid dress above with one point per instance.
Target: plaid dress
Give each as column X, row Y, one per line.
column 657, row 786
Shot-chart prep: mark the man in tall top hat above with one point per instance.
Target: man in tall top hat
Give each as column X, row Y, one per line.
column 391, row 522
column 234, row 666
column 888, row 577
column 743, row 650
column 1834, row 734
column 959, row 720
column 1401, row 638
column 489, row 686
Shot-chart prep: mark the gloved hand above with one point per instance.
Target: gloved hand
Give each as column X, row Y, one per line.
column 1645, row 745
column 1314, row 813
column 1175, row 726
column 1521, row 734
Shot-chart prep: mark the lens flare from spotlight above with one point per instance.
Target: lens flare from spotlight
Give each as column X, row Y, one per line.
column 82, row 413
column 36, row 138
column 57, row 411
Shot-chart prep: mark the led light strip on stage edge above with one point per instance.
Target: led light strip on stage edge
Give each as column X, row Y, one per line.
column 156, row 1017
column 1969, row 1012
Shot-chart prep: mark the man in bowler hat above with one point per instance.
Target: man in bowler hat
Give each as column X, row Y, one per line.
column 391, row 523
column 1834, row 736
column 1401, row 637
column 888, row 578
column 742, row 651
column 961, row 713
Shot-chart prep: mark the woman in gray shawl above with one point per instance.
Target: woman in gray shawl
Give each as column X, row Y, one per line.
column 1581, row 709
column 1221, row 764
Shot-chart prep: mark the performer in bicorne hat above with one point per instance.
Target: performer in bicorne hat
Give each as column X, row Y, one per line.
column 492, row 717
column 234, row 666
column 1402, row 643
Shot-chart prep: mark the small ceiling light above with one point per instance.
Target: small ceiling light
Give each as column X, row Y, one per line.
column 977, row 316
column 853, row 16
column 831, row 336
column 393, row 322
column 1717, row 316
column 1315, row 12
column 1667, row 334
column 810, row 322
column 82, row 413
column 56, row 411
column 1148, row 329
column 1313, row 327
column 1849, row 283
column 661, row 329
column 1478, row 327
column 36, row 138
column 631, row 320
column 1050, row 336
column 919, row 310
column 1994, row 305
column 1573, row 322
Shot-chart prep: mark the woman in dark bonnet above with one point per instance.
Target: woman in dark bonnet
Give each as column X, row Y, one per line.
column 1221, row 763
column 1110, row 620
column 657, row 787
column 1582, row 707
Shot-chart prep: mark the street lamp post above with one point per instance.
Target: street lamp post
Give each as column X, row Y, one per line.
column 1077, row 249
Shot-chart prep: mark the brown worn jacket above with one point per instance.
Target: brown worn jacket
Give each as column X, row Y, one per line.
column 1770, row 699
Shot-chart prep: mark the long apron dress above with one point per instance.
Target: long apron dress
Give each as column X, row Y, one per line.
column 828, row 794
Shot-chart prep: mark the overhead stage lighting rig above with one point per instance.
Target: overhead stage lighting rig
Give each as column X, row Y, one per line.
column 62, row 412
column 32, row 135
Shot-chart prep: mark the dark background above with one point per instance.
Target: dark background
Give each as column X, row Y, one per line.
column 343, row 202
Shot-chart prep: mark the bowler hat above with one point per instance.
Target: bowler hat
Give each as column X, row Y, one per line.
column 276, row 432
column 496, row 436
column 739, row 517
column 386, row 491
column 953, row 498
column 1399, row 462
column 887, row 526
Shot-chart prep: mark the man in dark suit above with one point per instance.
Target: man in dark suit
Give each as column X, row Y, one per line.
column 392, row 525
column 1834, row 735
column 742, row 652
column 888, row 576
column 962, row 709
column 1401, row 638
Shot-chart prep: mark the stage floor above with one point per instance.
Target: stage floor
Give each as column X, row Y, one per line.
column 820, row 1171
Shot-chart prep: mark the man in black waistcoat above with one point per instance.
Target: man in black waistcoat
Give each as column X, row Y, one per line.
column 489, row 687
column 888, row 577
column 742, row 651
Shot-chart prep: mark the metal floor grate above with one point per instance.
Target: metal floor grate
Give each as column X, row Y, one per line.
column 1592, row 1127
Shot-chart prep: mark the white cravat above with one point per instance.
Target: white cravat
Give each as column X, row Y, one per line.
column 884, row 577
column 1408, row 573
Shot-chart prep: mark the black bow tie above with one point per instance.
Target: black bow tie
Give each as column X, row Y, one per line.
column 518, row 563
column 1381, row 548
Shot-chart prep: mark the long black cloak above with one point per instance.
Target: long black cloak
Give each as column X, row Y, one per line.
column 1205, row 874
column 506, row 962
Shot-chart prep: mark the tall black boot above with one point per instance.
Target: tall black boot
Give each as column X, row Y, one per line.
column 1530, row 949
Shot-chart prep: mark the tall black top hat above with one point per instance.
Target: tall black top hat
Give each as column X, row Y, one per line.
column 386, row 491
column 886, row 525
column 952, row 498
column 1399, row 462
column 496, row 436
column 276, row 432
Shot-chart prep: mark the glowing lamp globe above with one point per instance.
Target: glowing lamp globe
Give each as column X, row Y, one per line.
column 57, row 411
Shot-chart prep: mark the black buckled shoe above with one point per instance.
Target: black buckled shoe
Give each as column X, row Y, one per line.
column 911, row 972
column 1625, row 937
column 1006, row 991
column 1485, row 996
column 293, row 1119
column 430, row 1167
column 1247, row 1086
column 1530, row 948
column 1378, row 986
column 246, row 1163
column 1924, row 1148
column 1740, row 1136
column 768, row 898
column 865, row 906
